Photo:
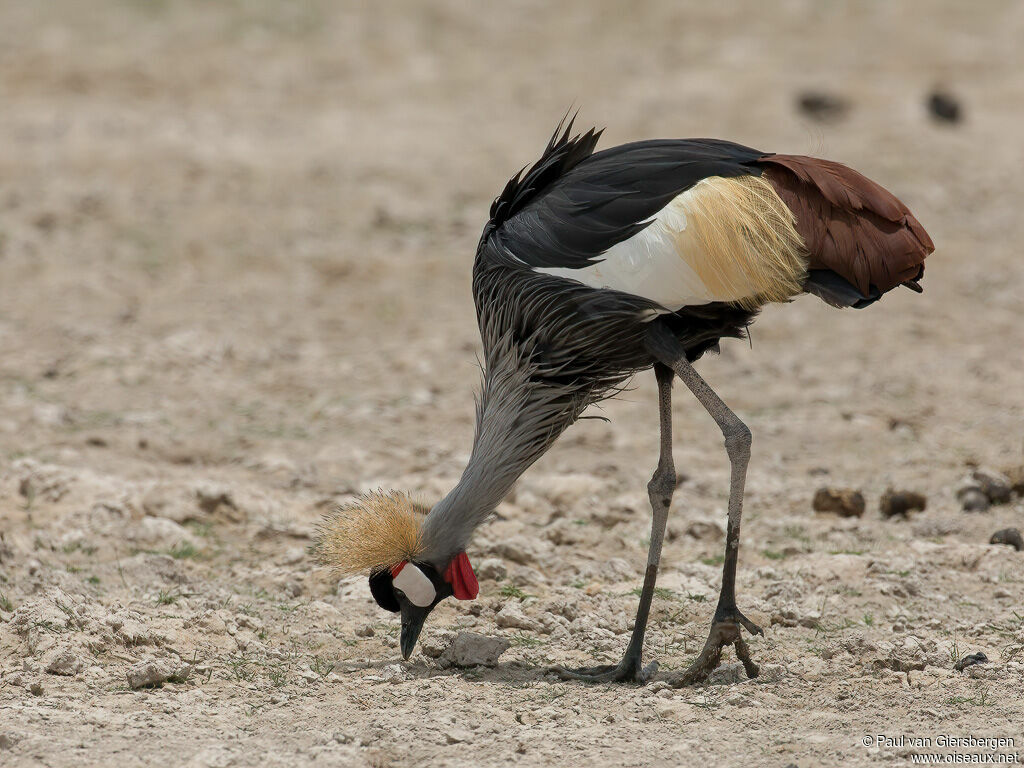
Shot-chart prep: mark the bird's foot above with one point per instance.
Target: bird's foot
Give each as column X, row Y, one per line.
column 725, row 631
column 626, row 671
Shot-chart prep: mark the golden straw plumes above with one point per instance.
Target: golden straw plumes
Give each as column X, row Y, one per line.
column 741, row 240
column 377, row 530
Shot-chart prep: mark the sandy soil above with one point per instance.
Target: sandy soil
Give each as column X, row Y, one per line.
column 235, row 243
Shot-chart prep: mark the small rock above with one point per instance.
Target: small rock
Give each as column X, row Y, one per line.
column 6, row 741
column 457, row 736
column 160, row 533
column 566, row 491
column 171, row 502
column 394, row 673
column 366, row 630
column 845, row 502
column 435, row 643
column 36, row 689
column 328, row 614
column 158, row 671
column 895, row 503
column 491, row 568
column 970, row 661
column 823, row 107
column 708, row 528
column 1008, row 536
column 63, row 661
column 213, row 498
column 786, row 616
column 727, row 674
column 512, row 616
column 569, row 609
column 944, row 107
column 469, row 649
column 518, row 549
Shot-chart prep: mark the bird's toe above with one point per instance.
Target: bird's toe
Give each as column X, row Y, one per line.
column 623, row 672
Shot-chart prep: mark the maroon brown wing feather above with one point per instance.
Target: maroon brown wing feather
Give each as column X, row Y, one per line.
column 850, row 224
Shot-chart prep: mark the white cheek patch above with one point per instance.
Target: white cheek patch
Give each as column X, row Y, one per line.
column 416, row 586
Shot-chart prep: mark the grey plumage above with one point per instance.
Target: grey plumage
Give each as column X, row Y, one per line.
column 554, row 350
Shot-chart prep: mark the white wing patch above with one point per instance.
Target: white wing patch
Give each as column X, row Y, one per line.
column 724, row 239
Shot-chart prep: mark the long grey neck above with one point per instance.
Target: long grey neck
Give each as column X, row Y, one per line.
column 518, row 418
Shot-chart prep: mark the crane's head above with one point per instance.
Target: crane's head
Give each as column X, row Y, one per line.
column 380, row 533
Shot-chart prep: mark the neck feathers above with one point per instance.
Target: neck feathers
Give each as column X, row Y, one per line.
column 519, row 415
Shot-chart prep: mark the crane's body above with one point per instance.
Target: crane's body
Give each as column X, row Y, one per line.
column 595, row 266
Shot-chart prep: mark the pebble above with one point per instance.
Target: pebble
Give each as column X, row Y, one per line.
column 1009, row 536
column 845, row 502
column 171, row 502
column 157, row 671
column 160, row 533
column 394, row 673
column 366, row 630
column 518, row 549
column 436, row 642
column 469, row 649
column 708, row 528
column 728, row 674
column 895, row 503
column 491, row 568
column 63, row 661
column 566, row 491
column 512, row 616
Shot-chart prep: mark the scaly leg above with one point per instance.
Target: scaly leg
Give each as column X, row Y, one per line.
column 725, row 626
column 660, row 490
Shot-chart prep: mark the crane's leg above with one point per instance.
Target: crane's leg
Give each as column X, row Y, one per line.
column 660, row 490
column 725, row 626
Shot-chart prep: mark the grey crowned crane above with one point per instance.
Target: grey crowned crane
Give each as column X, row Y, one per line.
column 595, row 266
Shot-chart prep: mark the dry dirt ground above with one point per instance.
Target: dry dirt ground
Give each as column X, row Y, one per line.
column 235, row 243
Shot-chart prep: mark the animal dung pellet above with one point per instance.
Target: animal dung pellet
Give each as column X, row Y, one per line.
column 821, row 106
column 1009, row 536
column 1015, row 474
column 944, row 107
column 844, row 502
column 895, row 502
column 983, row 488
column 970, row 660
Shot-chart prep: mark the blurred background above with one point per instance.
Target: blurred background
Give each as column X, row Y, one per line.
column 236, row 241
column 253, row 222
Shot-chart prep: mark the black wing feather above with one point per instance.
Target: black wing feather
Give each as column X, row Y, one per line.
column 574, row 204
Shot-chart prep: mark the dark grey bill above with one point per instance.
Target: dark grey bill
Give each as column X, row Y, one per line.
column 412, row 622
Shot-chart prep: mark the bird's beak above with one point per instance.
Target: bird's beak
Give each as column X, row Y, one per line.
column 412, row 622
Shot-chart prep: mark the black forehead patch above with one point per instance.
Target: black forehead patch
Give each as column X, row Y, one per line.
column 383, row 592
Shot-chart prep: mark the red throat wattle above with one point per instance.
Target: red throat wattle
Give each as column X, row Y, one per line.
column 459, row 574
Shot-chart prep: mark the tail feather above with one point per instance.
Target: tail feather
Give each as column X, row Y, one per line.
column 852, row 227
